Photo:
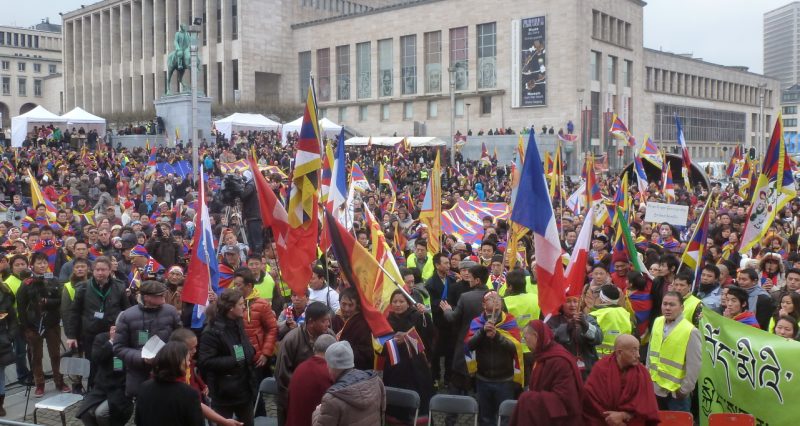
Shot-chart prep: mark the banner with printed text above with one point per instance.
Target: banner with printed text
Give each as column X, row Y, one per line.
column 746, row 370
column 533, row 70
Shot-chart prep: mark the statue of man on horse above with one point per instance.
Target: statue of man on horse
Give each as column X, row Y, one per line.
column 179, row 59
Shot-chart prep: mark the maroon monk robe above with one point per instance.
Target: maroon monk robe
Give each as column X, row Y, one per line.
column 555, row 390
column 610, row 389
column 306, row 389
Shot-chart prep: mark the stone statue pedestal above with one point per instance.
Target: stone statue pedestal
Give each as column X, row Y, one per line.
column 176, row 113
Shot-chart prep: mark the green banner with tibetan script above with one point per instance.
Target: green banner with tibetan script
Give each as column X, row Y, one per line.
column 746, row 370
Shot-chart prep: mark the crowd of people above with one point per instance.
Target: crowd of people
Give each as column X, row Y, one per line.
column 100, row 268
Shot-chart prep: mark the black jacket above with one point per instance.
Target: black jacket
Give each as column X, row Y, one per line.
column 250, row 206
column 165, row 250
column 8, row 326
column 39, row 303
column 495, row 355
column 109, row 383
column 82, row 319
column 230, row 380
column 168, row 403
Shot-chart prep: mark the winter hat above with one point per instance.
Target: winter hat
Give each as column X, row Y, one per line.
column 339, row 356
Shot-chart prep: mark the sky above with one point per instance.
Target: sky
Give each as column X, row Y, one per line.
column 727, row 32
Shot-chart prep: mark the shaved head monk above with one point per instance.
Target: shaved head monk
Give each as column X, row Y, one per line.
column 619, row 390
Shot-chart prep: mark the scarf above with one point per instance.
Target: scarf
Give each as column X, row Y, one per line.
column 747, row 318
column 506, row 327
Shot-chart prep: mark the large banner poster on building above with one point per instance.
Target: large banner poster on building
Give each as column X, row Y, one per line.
column 533, row 71
column 746, row 370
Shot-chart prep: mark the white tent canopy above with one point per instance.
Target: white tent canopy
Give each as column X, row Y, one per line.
column 238, row 122
column 22, row 124
column 327, row 128
column 79, row 117
column 413, row 142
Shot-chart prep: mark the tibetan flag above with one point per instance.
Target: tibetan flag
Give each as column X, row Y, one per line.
column 650, row 152
column 361, row 271
column 37, row 198
column 152, row 167
column 507, row 327
column 548, row 164
column 687, row 161
column 575, row 202
column 692, row 257
column 494, row 155
column 534, row 211
column 146, row 145
column 774, row 189
column 50, row 249
column 619, row 131
column 389, row 278
column 669, row 186
column 358, row 179
column 556, row 176
column 485, row 159
column 203, row 272
column 414, row 341
column 621, row 197
column 225, row 276
column 431, row 212
column 734, row 162
column 575, row 273
column 177, row 135
column 304, row 197
column 85, row 218
column 386, row 179
column 325, row 185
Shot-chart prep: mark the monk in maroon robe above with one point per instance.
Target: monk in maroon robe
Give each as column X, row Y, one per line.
column 619, row 390
column 309, row 383
column 556, row 389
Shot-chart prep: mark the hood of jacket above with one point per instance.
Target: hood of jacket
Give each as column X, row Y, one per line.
column 356, row 388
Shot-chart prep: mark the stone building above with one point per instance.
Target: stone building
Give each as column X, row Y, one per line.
column 384, row 67
column 30, row 70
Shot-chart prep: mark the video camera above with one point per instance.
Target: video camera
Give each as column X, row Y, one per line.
column 231, row 189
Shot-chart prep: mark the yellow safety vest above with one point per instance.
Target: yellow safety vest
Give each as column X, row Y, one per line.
column 13, row 283
column 613, row 321
column 427, row 270
column 668, row 356
column 285, row 290
column 690, row 306
column 525, row 308
column 530, row 288
column 70, row 290
column 266, row 286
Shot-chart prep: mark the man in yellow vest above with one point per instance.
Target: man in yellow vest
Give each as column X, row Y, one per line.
column 19, row 271
column 692, row 306
column 525, row 308
column 613, row 319
column 674, row 355
column 421, row 259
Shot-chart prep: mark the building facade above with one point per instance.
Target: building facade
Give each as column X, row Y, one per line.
column 30, row 70
column 386, row 67
column 782, row 44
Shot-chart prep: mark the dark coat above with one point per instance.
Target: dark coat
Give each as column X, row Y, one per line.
column 231, row 381
column 82, row 321
column 356, row 332
column 168, row 403
column 109, row 383
column 9, row 326
column 470, row 305
column 160, row 321
column 39, row 303
column 164, row 250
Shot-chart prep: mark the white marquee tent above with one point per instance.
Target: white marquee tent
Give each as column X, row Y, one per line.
column 22, row 124
column 238, row 122
column 79, row 117
column 327, row 127
column 413, row 142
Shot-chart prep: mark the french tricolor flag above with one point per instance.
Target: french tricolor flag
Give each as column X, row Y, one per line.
column 203, row 273
column 534, row 211
column 687, row 161
column 392, row 351
column 576, row 269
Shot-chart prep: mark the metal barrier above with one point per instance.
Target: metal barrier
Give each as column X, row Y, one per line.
column 15, row 423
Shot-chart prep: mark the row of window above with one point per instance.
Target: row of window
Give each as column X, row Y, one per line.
column 612, row 69
column 699, row 124
column 789, row 122
column 22, row 66
column 673, row 82
column 610, row 29
column 486, row 39
column 8, row 38
column 22, row 86
column 432, row 110
column 790, row 109
column 343, row 6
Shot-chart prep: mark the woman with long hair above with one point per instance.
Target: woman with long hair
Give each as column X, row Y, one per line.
column 412, row 368
column 789, row 307
column 166, row 399
column 226, row 358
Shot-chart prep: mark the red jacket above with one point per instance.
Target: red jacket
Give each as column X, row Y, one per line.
column 260, row 325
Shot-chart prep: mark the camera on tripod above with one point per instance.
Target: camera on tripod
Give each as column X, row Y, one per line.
column 231, row 189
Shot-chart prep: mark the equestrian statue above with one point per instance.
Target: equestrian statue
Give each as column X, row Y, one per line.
column 180, row 60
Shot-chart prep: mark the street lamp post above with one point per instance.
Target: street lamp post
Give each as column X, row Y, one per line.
column 761, row 88
column 452, row 72
column 194, row 32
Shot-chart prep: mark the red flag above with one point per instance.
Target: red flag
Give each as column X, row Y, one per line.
column 295, row 266
column 576, row 270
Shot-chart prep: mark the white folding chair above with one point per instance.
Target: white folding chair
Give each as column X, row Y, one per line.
column 268, row 386
column 62, row 402
column 453, row 404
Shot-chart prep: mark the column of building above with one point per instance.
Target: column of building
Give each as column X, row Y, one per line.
column 148, row 35
column 106, row 64
column 69, row 64
column 96, row 75
column 137, row 73
column 160, row 43
column 226, row 57
column 209, row 52
column 125, row 74
column 197, row 12
column 172, row 28
column 116, row 61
